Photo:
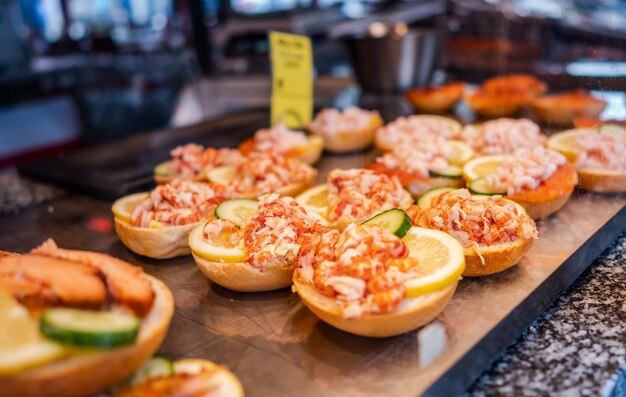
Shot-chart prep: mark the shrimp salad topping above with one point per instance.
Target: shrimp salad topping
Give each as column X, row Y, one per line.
column 602, row 151
column 420, row 158
column 415, row 128
column 503, row 135
column 330, row 121
column 178, row 203
column 264, row 172
column 272, row 237
column 189, row 160
column 476, row 222
column 363, row 268
column 279, row 138
column 526, row 168
column 357, row 194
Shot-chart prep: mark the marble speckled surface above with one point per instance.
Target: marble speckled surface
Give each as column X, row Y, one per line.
column 577, row 347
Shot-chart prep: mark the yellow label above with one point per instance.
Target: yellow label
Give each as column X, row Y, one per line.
column 292, row 79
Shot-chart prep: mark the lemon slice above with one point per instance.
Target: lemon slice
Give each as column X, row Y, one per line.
column 163, row 169
column 21, row 344
column 480, row 167
column 222, row 175
column 218, row 250
column 315, row 200
column 461, row 153
column 565, row 142
column 123, row 207
column 440, row 260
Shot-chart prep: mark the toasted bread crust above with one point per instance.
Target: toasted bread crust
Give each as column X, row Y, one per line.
column 157, row 243
column 435, row 99
column 239, row 276
column 602, row 182
column 424, row 310
column 497, row 258
column 350, row 140
column 90, row 373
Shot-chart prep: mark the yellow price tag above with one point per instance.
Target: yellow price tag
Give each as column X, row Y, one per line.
column 292, row 79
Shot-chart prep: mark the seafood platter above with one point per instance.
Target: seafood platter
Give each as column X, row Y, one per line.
column 362, row 256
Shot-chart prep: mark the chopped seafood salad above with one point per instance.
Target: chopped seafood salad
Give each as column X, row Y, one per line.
column 602, row 151
column 419, row 158
column 189, row 160
column 502, row 136
column 279, row 138
column 272, row 237
column 357, row 194
column 332, row 120
column 363, row 267
column 264, row 172
column 415, row 128
column 476, row 222
column 525, row 169
column 178, row 203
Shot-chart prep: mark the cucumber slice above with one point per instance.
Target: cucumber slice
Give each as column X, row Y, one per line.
column 238, row 211
column 155, row 367
column 612, row 129
column 451, row 171
column 394, row 221
column 479, row 186
column 424, row 202
column 89, row 328
column 163, row 169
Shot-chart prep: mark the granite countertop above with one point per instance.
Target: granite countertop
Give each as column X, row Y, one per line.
column 575, row 348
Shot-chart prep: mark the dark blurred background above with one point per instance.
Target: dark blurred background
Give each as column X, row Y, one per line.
column 83, row 72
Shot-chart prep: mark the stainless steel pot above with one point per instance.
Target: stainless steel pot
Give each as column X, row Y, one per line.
column 394, row 62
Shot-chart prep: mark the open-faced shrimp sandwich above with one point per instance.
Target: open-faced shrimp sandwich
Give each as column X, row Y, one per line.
column 265, row 172
column 435, row 99
column 406, row 130
column 540, row 179
column 252, row 246
column 426, row 164
column 525, row 83
column 345, row 131
column 190, row 161
column 598, row 154
column 190, row 377
column 502, row 136
column 563, row 108
column 285, row 141
column 354, row 195
column 156, row 224
column 380, row 278
column 495, row 232
column 75, row 322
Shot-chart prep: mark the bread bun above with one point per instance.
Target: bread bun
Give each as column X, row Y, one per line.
column 412, row 313
column 563, row 109
column 89, row 373
column 350, row 140
column 602, row 181
column 498, row 257
column 493, row 105
column 435, row 99
column 239, row 276
column 224, row 175
column 158, row 243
